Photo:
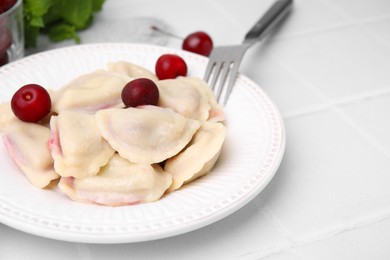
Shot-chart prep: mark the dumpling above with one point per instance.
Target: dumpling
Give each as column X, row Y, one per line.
column 119, row 183
column 76, row 145
column 26, row 143
column 91, row 92
column 216, row 113
column 6, row 116
column 199, row 157
column 131, row 70
column 191, row 97
column 184, row 97
column 146, row 134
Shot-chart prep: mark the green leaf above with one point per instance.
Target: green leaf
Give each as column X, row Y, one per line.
column 30, row 36
column 37, row 7
column 37, row 21
column 97, row 5
column 61, row 19
column 54, row 14
column 33, row 10
column 62, row 32
column 77, row 12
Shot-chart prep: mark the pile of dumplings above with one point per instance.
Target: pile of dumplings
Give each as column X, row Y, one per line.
column 100, row 152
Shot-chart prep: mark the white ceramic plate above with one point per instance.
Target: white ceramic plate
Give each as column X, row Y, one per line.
column 250, row 157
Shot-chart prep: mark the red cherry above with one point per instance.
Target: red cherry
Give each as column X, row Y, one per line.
column 31, row 103
column 3, row 59
column 169, row 66
column 198, row 42
column 7, row 4
column 140, row 92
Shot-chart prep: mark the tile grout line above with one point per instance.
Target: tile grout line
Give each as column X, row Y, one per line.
column 347, row 119
column 349, row 23
column 373, row 35
column 304, row 112
column 337, row 103
column 334, row 105
column 350, row 19
column 220, row 9
column 294, row 245
column 314, row 31
column 358, row 97
column 357, row 224
column 338, row 10
column 267, row 212
column 375, row 19
column 361, row 23
column 329, row 103
column 305, row 84
column 361, row 131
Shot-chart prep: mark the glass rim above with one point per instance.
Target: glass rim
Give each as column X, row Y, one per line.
column 12, row 9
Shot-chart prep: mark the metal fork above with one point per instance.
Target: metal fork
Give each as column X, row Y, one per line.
column 224, row 61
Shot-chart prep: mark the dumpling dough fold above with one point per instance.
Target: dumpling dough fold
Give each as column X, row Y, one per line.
column 131, row 70
column 199, row 157
column 27, row 145
column 76, row 145
column 191, row 97
column 91, row 92
column 146, row 134
column 119, row 183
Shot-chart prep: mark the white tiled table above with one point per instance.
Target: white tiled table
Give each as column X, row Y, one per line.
column 328, row 71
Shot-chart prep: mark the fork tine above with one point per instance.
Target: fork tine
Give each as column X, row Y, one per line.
column 222, row 79
column 216, row 71
column 223, row 61
column 232, row 79
column 209, row 69
column 228, row 58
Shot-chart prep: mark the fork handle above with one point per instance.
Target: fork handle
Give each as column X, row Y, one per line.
column 268, row 21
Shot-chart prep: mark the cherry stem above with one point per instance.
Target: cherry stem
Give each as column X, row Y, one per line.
column 158, row 29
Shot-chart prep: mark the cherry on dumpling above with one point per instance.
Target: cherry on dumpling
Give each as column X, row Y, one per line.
column 31, row 103
column 140, row 92
column 170, row 66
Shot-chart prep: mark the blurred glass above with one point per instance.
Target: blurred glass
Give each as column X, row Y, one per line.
column 11, row 33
